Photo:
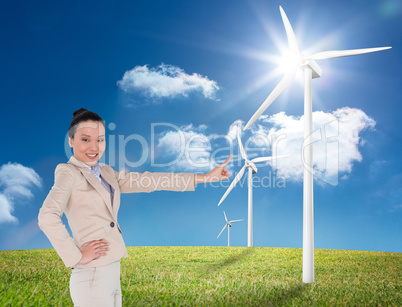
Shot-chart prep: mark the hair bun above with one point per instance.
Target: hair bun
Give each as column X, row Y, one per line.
column 78, row 112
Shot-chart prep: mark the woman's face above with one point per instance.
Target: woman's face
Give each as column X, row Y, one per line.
column 89, row 142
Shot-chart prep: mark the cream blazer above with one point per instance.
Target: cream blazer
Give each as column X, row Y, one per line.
column 84, row 200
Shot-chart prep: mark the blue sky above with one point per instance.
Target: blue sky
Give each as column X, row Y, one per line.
column 157, row 71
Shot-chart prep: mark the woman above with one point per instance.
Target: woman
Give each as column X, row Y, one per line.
column 88, row 193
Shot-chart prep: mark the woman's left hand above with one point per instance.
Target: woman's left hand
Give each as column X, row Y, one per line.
column 216, row 174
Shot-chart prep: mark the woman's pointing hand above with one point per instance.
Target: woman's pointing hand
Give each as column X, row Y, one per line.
column 216, row 174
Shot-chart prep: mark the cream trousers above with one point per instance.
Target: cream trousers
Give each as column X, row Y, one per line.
column 98, row 286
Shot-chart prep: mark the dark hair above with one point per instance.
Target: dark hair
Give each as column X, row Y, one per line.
column 83, row 115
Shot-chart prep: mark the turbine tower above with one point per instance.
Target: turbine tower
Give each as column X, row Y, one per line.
column 252, row 169
column 311, row 71
column 228, row 223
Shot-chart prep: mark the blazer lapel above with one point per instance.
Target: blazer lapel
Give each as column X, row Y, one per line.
column 111, row 179
column 94, row 182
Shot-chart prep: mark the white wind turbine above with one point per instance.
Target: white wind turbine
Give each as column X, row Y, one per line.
column 228, row 223
column 252, row 169
column 311, row 71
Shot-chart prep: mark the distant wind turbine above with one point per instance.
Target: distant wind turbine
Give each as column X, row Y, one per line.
column 311, row 71
column 252, row 169
column 228, row 223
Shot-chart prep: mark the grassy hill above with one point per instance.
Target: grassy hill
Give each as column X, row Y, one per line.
column 171, row 276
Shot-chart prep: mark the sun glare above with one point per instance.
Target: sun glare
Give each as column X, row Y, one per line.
column 287, row 61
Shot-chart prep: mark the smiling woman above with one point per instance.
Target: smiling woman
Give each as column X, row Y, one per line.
column 88, row 193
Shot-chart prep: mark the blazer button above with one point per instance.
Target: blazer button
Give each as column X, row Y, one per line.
column 111, row 224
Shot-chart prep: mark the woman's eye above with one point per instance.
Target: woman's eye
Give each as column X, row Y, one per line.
column 85, row 140
column 101, row 140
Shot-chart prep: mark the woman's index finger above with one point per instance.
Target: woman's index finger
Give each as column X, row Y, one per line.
column 227, row 161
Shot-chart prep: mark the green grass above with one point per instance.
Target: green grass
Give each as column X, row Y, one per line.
column 219, row 276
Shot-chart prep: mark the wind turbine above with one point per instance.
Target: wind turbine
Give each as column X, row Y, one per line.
column 311, row 71
column 228, row 223
column 252, row 169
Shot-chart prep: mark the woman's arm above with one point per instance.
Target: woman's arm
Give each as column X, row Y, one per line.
column 147, row 182
column 51, row 224
column 50, row 214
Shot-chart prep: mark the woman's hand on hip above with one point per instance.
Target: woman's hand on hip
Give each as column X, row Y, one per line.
column 93, row 250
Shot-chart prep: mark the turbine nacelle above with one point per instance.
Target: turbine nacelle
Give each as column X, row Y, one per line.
column 251, row 165
column 294, row 59
column 317, row 71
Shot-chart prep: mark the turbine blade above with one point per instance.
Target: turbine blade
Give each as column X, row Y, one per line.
column 222, row 231
column 225, row 216
column 282, row 85
column 236, row 180
column 341, row 53
column 242, row 151
column 262, row 159
column 292, row 41
column 236, row 221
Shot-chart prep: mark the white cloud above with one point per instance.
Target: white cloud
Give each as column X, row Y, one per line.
column 234, row 129
column 336, row 140
column 5, row 210
column 336, row 136
column 166, row 81
column 15, row 182
column 188, row 146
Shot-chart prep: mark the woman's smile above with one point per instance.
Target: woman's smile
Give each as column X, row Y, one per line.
column 92, row 156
